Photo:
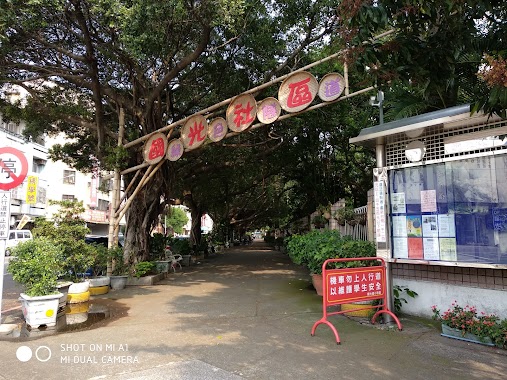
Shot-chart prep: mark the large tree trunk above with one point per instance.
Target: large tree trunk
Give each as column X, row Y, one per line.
column 143, row 212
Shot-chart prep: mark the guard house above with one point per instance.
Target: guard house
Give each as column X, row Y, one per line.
column 440, row 196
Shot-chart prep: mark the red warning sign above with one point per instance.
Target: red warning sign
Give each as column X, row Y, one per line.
column 13, row 168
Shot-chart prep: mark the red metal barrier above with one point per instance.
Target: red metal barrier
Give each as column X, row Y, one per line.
column 347, row 285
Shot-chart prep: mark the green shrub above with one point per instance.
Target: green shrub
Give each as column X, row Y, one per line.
column 100, row 259
column 144, row 268
column 317, row 246
column 180, row 246
column 269, row 239
column 119, row 267
column 157, row 244
column 68, row 230
column 36, row 265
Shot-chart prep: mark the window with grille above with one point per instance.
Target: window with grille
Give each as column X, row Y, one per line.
column 69, row 177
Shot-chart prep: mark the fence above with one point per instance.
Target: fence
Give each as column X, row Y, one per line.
column 358, row 229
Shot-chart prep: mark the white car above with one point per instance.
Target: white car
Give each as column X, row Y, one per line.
column 15, row 237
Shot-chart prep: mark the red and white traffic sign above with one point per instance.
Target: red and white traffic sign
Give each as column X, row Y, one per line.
column 13, row 168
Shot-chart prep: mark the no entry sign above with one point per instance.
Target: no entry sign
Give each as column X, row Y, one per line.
column 13, row 168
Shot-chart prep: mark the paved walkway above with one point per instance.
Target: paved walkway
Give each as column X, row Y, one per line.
column 244, row 314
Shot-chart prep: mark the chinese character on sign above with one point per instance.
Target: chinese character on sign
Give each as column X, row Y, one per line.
column 8, row 167
column 196, row 133
column 332, row 88
column 156, row 149
column 218, row 129
column 243, row 115
column 176, row 150
column 299, row 94
column 269, row 111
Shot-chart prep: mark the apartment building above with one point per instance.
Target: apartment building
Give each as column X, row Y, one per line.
column 55, row 181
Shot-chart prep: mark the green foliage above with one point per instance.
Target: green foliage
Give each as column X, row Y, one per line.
column 317, row 246
column 180, row 246
column 398, row 291
column 345, row 214
column 68, row 230
column 116, row 158
column 176, row 219
column 270, row 239
column 36, row 265
column 144, row 268
column 467, row 320
column 100, row 260
column 157, row 244
column 319, row 221
column 119, row 266
column 436, row 51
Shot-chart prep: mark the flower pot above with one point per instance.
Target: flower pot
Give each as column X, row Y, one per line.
column 163, row 266
column 450, row 332
column 98, row 285
column 118, row 282
column 317, row 283
column 366, row 313
column 63, row 287
column 79, row 292
column 186, row 260
column 40, row 310
column 76, row 313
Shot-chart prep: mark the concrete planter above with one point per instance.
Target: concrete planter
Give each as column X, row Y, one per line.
column 185, row 260
column 118, row 282
column 317, row 283
column 79, row 292
column 453, row 333
column 146, row 280
column 163, row 266
column 41, row 310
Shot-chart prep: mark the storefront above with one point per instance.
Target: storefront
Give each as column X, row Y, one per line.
column 441, row 207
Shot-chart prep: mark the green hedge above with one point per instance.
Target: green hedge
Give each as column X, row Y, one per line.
column 315, row 247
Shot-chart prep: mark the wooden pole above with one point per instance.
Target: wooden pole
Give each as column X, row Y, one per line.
column 143, row 182
column 112, row 239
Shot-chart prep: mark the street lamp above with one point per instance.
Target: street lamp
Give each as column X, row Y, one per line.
column 377, row 101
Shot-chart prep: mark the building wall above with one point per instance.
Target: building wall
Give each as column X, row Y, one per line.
column 478, row 275
column 442, row 285
column 51, row 184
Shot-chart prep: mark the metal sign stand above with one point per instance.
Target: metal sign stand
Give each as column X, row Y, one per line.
column 352, row 285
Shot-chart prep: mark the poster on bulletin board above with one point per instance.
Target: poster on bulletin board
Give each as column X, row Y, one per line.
column 414, row 226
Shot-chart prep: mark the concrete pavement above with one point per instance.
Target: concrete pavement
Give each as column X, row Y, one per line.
column 244, row 314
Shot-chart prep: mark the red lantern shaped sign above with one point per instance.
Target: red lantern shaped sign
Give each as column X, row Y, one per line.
column 154, row 148
column 194, row 132
column 241, row 113
column 298, row 91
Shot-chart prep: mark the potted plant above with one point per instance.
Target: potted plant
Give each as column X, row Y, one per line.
column 120, row 270
column 36, row 265
column 346, row 215
column 68, row 229
column 465, row 323
column 317, row 246
column 96, row 275
column 182, row 247
column 319, row 221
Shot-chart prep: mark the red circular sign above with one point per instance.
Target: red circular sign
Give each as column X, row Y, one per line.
column 13, row 168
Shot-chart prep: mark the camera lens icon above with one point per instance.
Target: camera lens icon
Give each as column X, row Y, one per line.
column 42, row 353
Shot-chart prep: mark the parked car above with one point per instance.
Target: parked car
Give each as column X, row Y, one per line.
column 16, row 237
column 101, row 239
